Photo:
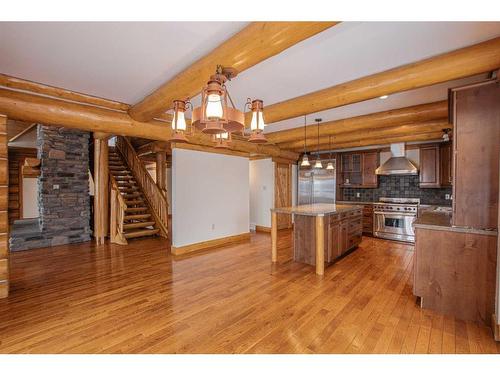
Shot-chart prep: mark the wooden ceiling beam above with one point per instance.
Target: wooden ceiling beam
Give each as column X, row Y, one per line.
column 18, row 84
column 255, row 43
column 479, row 58
column 417, row 113
column 390, row 131
column 35, row 108
column 432, row 136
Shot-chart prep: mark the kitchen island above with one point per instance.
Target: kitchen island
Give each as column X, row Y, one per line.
column 322, row 232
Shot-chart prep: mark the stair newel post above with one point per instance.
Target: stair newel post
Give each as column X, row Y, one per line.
column 101, row 187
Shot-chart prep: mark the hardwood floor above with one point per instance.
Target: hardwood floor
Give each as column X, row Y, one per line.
column 137, row 298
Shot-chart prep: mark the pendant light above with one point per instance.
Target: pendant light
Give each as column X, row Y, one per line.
column 318, row 164
column 214, row 116
column 330, row 164
column 257, row 124
column 305, row 159
column 179, row 121
column 222, row 140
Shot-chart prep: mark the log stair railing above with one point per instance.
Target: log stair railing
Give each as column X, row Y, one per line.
column 146, row 208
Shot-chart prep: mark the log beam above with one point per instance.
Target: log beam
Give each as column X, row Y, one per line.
column 413, row 114
column 433, row 136
column 391, row 131
column 479, row 58
column 30, row 107
column 255, row 43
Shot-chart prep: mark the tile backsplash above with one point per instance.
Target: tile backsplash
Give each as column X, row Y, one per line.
column 399, row 187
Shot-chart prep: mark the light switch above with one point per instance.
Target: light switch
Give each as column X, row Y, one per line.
column 55, row 187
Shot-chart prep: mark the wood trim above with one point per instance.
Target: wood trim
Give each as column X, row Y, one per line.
column 320, row 245
column 495, row 327
column 210, row 244
column 274, row 237
column 4, row 220
column 460, row 63
column 213, row 150
column 263, row 229
column 255, row 43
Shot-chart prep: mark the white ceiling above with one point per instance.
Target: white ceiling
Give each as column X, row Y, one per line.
column 126, row 61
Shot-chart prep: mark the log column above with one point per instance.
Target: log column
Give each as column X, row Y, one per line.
column 160, row 170
column 274, row 237
column 320, row 245
column 101, row 187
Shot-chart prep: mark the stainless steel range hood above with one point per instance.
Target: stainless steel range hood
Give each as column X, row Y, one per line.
column 398, row 163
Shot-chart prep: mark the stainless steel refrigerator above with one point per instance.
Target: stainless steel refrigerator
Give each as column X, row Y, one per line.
column 316, row 185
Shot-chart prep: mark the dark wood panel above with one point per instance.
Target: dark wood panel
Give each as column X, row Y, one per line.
column 370, row 164
column 445, row 160
column 477, row 148
column 455, row 273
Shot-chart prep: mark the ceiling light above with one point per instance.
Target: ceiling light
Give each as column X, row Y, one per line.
column 257, row 124
column 330, row 166
column 318, row 164
column 305, row 161
column 318, row 161
column 383, row 97
column 222, row 140
column 179, row 121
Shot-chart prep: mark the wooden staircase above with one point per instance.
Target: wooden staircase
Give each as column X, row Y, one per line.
column 137, row 218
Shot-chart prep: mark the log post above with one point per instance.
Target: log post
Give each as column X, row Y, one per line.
column 274, row 237
column 160, row 170
column 320, row 245
column 101, row 187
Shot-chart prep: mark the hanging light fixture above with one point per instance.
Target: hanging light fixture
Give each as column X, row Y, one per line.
column 330, row 166
column 214, row 116
column 318, row 164
column 179, row 121
column 257, row 124
column 222, row 140
column 305, row 159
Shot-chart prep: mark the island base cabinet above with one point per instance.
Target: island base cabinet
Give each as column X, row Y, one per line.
column 454, row 273
column 341, row 233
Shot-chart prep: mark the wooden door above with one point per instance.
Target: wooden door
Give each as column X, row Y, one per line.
column 370, row 164
column 283, row 192
column 429, row 166
column 476, row 144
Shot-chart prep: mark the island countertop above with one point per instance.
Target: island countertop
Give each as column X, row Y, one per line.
column 316, row 209
column 436, row 220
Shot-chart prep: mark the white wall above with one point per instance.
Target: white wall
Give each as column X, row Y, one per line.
column 261, row 192
column 209, row 196
column 30, row 198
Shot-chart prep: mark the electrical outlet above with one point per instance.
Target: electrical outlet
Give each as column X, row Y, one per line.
column 447, row 197
column 358, row 195
column 55, row 187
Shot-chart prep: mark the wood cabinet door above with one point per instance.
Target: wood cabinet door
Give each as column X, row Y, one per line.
column 334, row 249
column 344, row 236
column 370, row 164
column 346, row 163
column 356, row 160
column 429, row 166
column 445, row 159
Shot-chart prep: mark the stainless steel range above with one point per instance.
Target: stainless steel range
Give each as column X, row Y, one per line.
column 393, row 218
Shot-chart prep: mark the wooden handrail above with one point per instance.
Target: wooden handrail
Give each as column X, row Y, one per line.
column 118, row 212
column 155, row 198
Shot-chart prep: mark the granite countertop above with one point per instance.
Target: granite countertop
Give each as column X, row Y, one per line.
column 316, row 209
column 436, row 220
column 355, row 202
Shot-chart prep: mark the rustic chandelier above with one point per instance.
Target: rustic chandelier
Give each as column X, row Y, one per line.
column 215, row 116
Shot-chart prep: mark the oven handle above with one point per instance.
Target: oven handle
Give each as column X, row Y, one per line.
column 393, row 214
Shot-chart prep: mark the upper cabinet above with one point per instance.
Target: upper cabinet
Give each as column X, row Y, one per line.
column 476, row 149
column 435, row 165
column 358, row 169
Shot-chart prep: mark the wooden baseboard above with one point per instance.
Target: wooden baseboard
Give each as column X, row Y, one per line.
column 495, row 327
column 210, row 244
column 261, row 228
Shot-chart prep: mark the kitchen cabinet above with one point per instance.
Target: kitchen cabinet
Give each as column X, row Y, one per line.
column 344, row 233
column 476, row 148
column 429, row 166
column 358, row 169
column 368, row 219
column 436, row 165
column 445, row 161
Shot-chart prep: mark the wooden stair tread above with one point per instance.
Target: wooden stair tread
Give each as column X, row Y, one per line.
column 134, row 201
column 137, row 216
column 136, row 209
column 131, row 195
column 141, row 233
column 139, row 224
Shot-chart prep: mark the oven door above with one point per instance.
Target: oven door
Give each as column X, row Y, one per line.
column 396, row 226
